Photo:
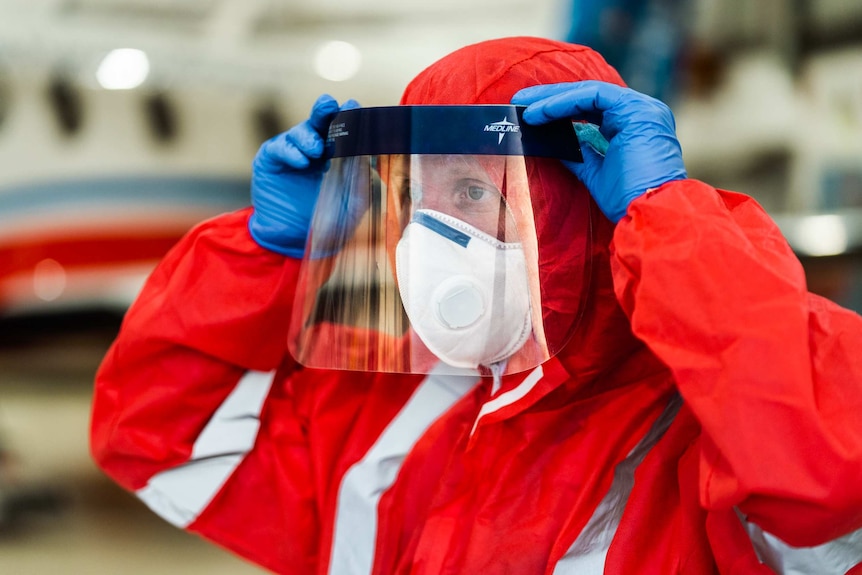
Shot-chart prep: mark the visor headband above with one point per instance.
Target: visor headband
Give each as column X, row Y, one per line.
column 479, row 130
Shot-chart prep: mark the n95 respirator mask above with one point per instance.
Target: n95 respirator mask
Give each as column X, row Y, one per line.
column 465, row 292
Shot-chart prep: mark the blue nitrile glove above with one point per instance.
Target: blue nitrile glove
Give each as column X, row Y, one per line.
column 285, row 181
column 642, row 153
column 343, row 200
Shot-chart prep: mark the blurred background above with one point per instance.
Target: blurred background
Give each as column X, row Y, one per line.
column 125, row 122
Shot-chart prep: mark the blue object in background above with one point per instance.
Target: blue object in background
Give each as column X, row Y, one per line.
column 643, row 39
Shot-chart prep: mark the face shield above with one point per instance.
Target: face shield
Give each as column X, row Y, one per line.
column 432, row 241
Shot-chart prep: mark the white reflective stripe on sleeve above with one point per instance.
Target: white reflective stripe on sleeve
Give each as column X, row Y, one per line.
column 180, row 494
column 833, row 558
column 355, row 534
column 511, row 396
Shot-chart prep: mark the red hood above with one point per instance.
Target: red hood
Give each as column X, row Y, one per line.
column 574, row 283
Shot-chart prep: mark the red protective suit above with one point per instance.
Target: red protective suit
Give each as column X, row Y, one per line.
column 706, row 405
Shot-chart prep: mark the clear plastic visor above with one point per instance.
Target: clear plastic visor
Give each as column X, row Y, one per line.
column 423, row 261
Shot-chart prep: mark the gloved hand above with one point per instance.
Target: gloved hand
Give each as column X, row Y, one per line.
column 286, row 176
column 643, row 151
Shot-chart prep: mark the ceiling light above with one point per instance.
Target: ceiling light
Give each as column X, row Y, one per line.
column 337, row 61
column 123, row 69
column 822, row 235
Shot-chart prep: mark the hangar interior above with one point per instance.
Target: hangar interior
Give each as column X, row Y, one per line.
column 125, row 122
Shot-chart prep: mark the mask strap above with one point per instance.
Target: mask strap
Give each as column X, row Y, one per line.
column 497, row 370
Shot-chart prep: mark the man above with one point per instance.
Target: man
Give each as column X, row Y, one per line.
column 686, row 406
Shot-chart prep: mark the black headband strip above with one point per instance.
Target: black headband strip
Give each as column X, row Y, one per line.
column 481, row 130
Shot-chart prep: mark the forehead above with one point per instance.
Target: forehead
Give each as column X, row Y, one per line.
column 451, row 165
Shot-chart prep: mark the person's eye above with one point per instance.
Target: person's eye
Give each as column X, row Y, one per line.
column 476, row 193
